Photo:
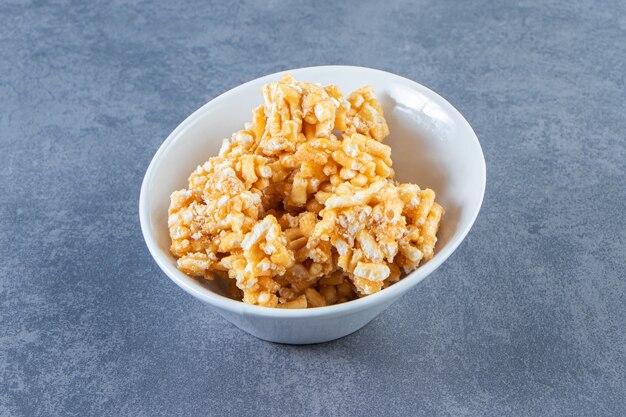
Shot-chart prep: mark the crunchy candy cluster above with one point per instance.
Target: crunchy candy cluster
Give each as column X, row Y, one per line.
column 297, row 216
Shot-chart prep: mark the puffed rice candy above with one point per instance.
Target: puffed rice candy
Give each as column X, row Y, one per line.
column 297, row 216
column 366, row 115
column 364, row 226
column 263, row 255
column 211, row 216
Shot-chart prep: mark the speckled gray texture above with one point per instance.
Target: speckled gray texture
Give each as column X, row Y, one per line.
column 527, row 318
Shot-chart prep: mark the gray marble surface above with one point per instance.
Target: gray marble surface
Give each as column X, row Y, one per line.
column 527, row 318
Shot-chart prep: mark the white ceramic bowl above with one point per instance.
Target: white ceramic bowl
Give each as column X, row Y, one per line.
column 432, row 146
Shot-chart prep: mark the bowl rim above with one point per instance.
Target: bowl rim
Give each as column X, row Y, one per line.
column 190, row 285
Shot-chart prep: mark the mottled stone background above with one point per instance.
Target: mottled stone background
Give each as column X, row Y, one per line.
column 528, row 317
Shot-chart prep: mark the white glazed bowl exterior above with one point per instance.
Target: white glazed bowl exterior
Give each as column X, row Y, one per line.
column 432, row 146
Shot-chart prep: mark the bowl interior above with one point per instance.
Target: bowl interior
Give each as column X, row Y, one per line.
column 432, row 146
